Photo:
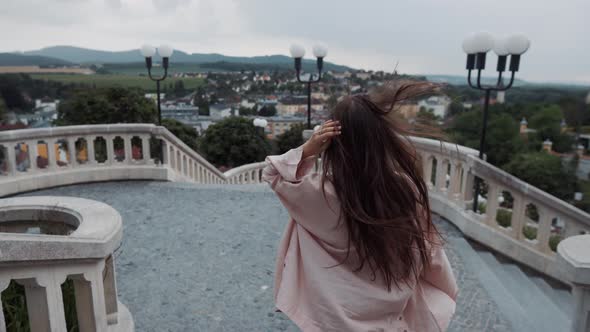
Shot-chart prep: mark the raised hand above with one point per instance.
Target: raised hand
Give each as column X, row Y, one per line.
column 321, row 138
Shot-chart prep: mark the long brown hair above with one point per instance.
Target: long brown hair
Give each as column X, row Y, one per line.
column 377, row 176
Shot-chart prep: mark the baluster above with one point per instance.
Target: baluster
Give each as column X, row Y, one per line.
column 127, row 149
column 110, row 150
column 51, row 158
column 455, row 182
column 165, row 152
column 110, row 290
column 33, row 152
column 11, row 155
column 492, row 204
column 544, row 229
column 181, row 160
column 467, row 189
column 428, row 170
column 440, row 174
column 90, row 301
column 172, row 158
column 145, row 150
column 518, row 214
column 45, row 303
column 90, row 150
column 72, row 152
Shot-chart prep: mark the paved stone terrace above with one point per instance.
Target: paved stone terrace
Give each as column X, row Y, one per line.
column 201, row 258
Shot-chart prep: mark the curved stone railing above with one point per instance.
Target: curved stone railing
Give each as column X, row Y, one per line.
column 250, row 173
column 42, row 158
column 516, row 219
column 34, row 256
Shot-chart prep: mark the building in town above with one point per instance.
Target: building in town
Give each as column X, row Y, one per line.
column 297, row 105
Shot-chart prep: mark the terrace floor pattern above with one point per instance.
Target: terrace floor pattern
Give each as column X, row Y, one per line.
column 201, row 258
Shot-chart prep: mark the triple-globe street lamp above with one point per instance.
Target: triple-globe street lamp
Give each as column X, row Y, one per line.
column 320, row 52
column 476, row 46
column 165, row 52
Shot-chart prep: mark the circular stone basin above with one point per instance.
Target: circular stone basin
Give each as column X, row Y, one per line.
column 40, row 228
column 36, row 221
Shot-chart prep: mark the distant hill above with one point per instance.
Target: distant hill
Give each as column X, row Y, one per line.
column 462, row 80
column 13, row 59
column 88, row 56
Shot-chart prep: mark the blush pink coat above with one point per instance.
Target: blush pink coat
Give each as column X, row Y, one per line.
column 317, row 293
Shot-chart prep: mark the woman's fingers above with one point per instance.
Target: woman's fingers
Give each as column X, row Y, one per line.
column 329, row 134
column 330, row 126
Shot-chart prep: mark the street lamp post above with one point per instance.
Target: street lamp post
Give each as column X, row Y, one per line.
column 260, row 123
column 165, row 52
column 297, row 52
column 476, row 46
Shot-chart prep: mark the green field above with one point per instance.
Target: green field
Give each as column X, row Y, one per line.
column 111, row 80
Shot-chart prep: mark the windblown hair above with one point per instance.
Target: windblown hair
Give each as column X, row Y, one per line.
column 377, row 176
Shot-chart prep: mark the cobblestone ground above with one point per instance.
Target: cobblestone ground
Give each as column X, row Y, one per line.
column 202, row 258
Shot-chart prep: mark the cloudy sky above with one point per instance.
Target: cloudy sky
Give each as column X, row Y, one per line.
column 423, row 35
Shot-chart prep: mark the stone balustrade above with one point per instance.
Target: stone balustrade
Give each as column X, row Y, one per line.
column 46, row 240
column 32, row 159
column 250, row 173
column 513, row 218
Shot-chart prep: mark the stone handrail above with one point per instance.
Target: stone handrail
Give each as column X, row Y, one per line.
column 250, row 173
column 48, row 157
column 516, row 219
column 42, row 262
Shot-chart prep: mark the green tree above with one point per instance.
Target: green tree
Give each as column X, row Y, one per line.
column 201, row 101
column 290, row 139
column 545, row 172
column 12, row 87
column 547, row 122
column 186, row 133
column 455, row 108
column 101, row 106
column 248, row 110
column 502, row 135
column 179, row 89
column 502, row 139
column 267, row 110
column 234, row 141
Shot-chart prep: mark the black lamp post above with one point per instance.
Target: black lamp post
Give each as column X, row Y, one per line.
column 260, row 123
column 320, row 52
column 476, row 47
column 165, row 52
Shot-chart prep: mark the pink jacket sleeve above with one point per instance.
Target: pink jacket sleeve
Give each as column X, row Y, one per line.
column 440, row 288
column 290, row 177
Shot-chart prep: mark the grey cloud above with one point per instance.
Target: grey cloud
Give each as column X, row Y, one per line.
column 424, row 35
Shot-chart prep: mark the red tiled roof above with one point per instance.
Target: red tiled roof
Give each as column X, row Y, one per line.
column 12, row 126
